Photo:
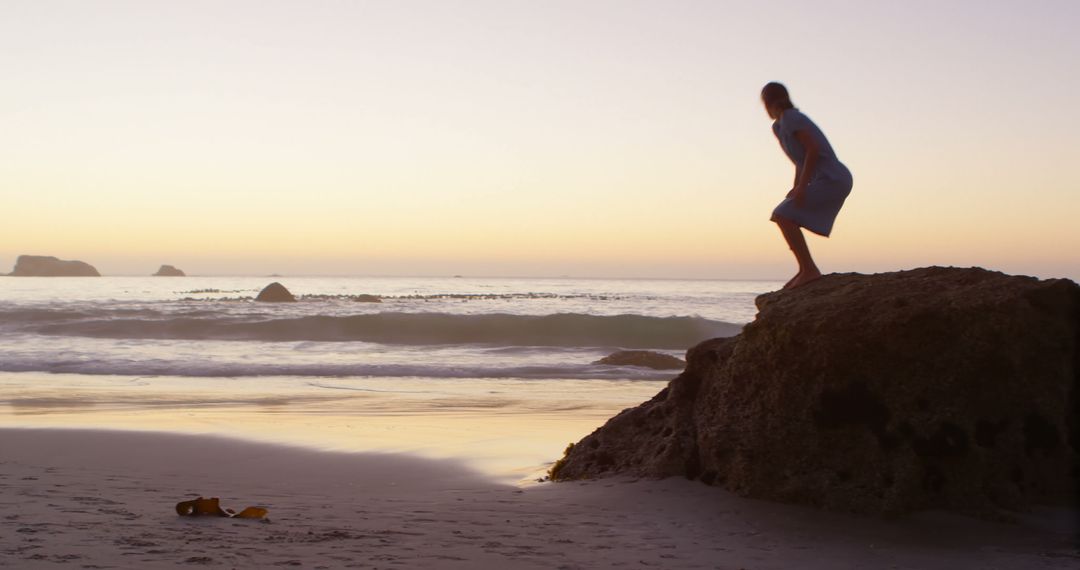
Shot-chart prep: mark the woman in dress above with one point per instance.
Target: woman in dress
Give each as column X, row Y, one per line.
column 822, row 182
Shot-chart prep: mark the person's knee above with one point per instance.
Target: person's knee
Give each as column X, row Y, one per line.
column 782, row 221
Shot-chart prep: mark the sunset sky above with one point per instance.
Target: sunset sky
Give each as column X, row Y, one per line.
column 535, row 138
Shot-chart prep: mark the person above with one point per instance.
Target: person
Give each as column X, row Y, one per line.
column 822, row 182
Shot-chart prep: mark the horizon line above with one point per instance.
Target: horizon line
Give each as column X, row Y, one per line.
column 410, row 276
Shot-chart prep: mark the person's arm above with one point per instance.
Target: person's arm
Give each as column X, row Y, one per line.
column 804, row 174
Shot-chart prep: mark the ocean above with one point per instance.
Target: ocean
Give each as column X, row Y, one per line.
column 497, row 372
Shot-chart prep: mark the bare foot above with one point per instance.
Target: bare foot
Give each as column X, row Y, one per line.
column 792, row 280
column 805, row 277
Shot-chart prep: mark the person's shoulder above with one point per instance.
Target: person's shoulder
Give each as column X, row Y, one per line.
column 792, row 115
column 793, row 119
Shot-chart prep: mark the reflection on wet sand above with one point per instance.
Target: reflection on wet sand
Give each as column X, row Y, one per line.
column 509, row 429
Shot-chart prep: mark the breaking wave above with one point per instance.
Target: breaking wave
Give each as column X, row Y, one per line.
column 560, row 330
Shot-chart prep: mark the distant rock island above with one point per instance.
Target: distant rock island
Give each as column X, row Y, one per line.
column 275, row 293
column 48, row 266
column 936, row 388
column 168, row 271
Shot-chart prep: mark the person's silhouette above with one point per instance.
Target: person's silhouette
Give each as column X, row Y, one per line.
column 822, row 182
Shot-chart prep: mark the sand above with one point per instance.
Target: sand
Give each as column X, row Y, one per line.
column 508, row 429
column 104, row 499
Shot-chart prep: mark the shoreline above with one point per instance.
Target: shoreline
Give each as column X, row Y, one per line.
column 511, row 430
column 105, row 499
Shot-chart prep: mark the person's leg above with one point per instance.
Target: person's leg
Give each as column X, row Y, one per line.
column 808, row 270
column 783, row 224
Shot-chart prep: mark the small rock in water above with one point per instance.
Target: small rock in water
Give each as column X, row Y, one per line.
column 275, row 293
column 367, row 299
column 168, row 271
column 643, row 358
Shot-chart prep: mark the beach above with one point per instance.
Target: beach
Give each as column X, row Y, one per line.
column 104, row 499
column 499, row 373
column 424, row 448
column 530, row 285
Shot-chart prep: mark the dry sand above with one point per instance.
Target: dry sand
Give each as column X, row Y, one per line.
column 104, row 499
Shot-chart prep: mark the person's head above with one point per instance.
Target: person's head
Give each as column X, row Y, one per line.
column 776, row 99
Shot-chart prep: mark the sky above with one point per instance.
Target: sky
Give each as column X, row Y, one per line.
column 533, row 138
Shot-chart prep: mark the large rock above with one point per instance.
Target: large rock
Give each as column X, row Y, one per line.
column 48, row 266
column 275, row 293
column 932, row 388
column 168, row 271
column 644, row 359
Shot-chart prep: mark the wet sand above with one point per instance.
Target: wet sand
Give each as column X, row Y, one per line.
column 508, row 429
column 105, row 499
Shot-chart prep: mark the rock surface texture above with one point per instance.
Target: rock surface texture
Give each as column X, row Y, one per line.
column 931, row 388
column 275, row 293
column 168, row 271
column 48, row 266
column 644, row 359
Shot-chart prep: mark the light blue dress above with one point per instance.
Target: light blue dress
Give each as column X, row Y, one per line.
column 829, row 187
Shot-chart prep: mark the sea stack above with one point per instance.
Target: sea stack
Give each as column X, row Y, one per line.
column 936, row 388
column 168, row 271
column 48, row 266
column 275, row 293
